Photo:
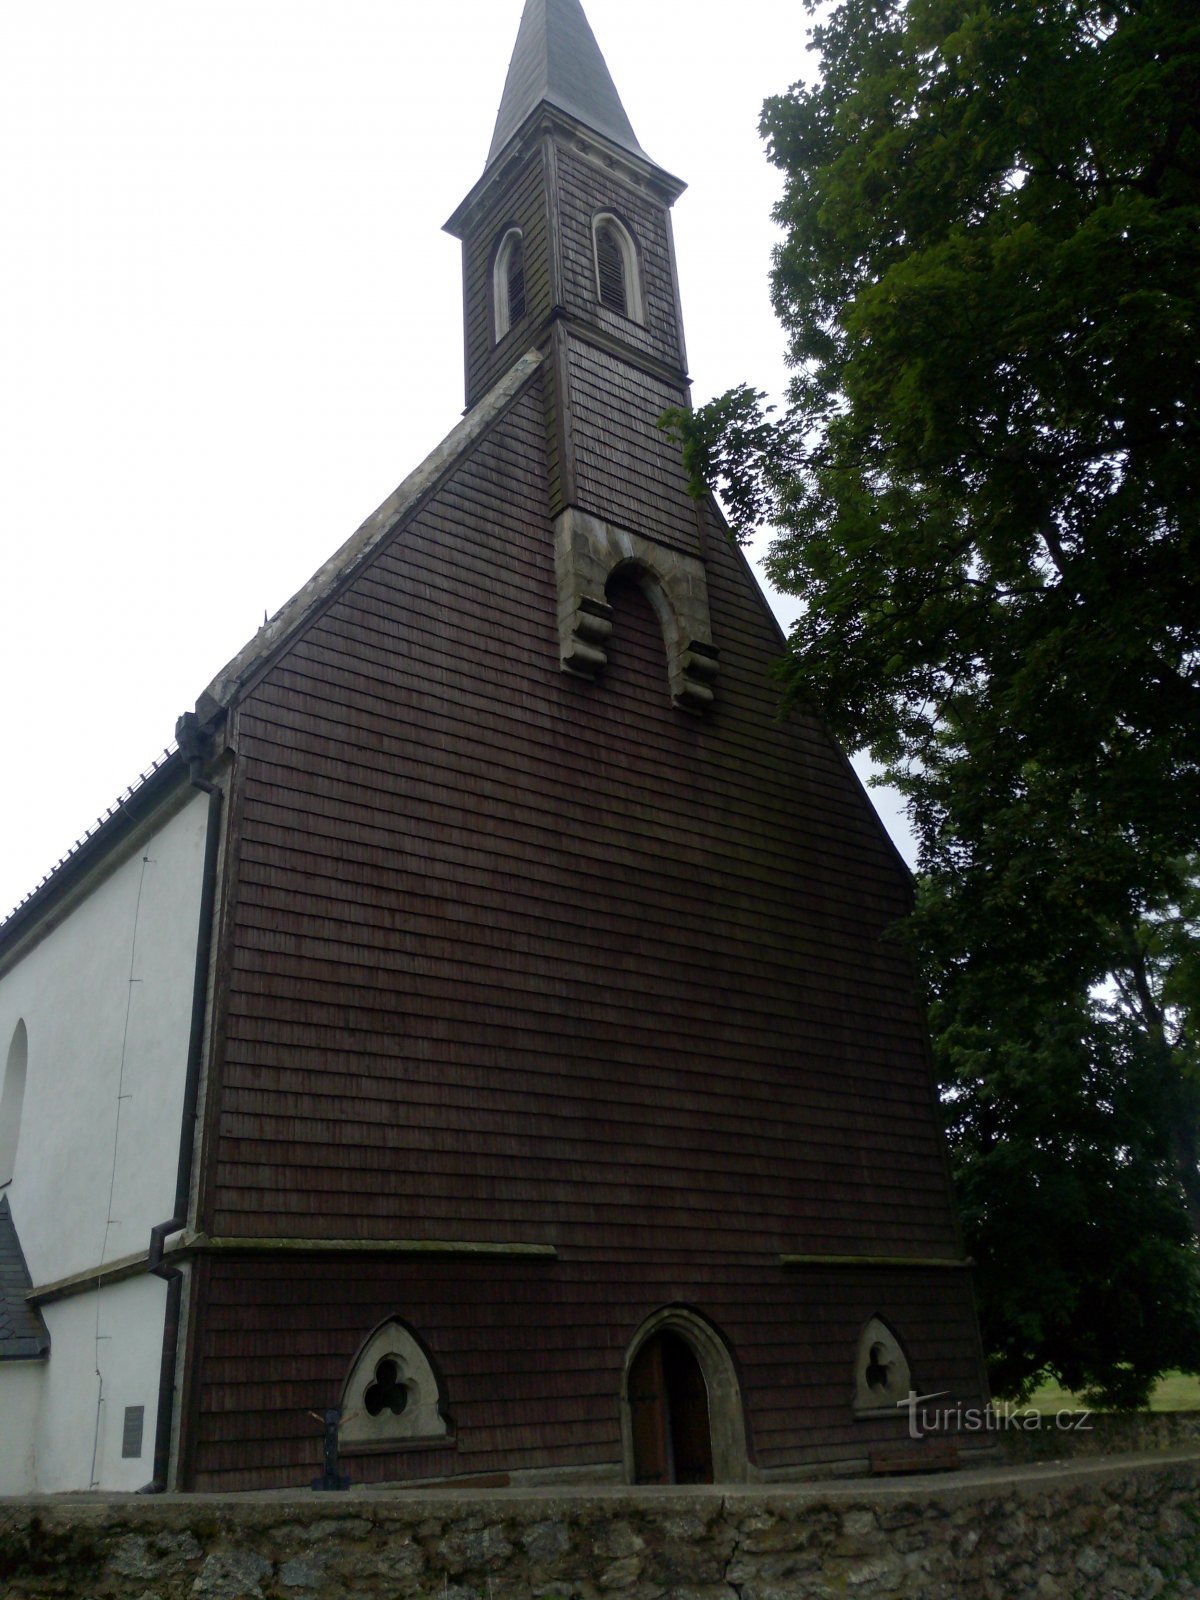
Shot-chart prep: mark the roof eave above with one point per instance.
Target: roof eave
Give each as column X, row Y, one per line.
column 140, row 803
column 362, row 545
column 128, row 814
column 545, row 117
column 25, row 1350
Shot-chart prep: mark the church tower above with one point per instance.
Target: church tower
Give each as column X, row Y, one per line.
column 565, row 1109
column 567, row 243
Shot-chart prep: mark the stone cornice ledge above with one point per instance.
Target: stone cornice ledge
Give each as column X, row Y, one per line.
column 44, row 1294
column 205, row 1244
column 941, row 1263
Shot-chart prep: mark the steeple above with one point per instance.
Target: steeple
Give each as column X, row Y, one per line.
column 558, row 62
column 569, row 223
column 567, row 252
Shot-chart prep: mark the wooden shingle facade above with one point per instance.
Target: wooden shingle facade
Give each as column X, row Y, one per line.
column 556, row 1006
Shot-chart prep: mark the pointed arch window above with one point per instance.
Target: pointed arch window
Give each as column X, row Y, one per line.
column 12, row 1100
column 882, row 1375
column 393, row 1395
column 508, row 282
column 618, row 275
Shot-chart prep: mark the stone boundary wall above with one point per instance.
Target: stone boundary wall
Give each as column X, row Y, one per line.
column 1118, row 1530
column 1103, row 1433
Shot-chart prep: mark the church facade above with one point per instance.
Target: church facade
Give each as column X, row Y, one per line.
column 530, row 1069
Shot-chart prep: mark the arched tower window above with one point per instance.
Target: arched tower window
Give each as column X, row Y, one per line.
column 508, row 282
column 12, row 1098
column 618, row 278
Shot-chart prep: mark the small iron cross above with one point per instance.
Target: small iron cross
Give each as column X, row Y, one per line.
column 331, row 1479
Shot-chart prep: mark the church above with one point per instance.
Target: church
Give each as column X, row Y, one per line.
column 486, row 1021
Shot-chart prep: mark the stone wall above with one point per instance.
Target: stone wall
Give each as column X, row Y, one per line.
column 1100, row 1433
column 1117, row 1530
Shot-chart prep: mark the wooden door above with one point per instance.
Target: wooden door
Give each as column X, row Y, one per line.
column 648, row 1411
column 688, row 1423
column 668, row 1404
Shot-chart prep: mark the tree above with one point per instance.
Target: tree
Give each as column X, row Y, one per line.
column 985, row 490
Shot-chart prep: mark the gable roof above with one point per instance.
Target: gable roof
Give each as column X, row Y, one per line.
column 140, row 799
column 361, row 546
column 557, row 59
column 23, row 1334
column 127, row 811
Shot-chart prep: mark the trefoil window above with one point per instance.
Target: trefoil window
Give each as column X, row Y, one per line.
column 882, row 1376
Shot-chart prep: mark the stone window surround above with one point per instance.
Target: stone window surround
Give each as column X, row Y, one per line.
column 588, row 553
column 726, row 1415
column 423, row 1420
column 635, row 305
column 873, row 1402
column 501, row 323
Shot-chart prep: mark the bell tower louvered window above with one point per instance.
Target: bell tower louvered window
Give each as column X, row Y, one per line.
column 610, row 269
column 515, row 284
column 618, row 279
column 508, row 283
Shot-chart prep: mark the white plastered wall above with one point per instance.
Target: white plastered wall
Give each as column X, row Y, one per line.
column 102, row 1112
column 75, row 1418
column 20, row 1396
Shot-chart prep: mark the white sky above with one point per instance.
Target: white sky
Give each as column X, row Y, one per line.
column 230, row 322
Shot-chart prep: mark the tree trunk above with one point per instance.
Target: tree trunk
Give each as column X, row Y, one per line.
column 1186, row 1142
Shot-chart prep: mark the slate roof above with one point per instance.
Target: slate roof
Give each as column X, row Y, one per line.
column 557, row 59
column 126, row 810
column 23, row 1334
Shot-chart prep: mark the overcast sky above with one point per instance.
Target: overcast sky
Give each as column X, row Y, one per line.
column 230, row 322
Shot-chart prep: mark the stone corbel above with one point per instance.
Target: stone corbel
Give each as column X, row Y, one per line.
column 585, row 631
column 587, row 553
column 698, row 673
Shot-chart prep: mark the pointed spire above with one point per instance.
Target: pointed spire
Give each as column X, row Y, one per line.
column 558, row 60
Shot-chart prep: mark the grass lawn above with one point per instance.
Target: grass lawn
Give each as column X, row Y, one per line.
column 1175, row 1393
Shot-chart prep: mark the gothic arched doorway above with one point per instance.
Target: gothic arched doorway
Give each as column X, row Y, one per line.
column 682, row 1411
column 668, row 1407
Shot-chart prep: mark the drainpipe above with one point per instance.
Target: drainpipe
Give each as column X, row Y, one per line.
column 195, row 744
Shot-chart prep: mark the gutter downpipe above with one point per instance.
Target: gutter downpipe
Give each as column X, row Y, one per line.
column 195, row 743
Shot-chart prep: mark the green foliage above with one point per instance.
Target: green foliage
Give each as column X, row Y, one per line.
column 1176, row 1392
column 985, row 490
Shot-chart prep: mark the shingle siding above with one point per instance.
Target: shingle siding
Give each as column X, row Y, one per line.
column 585, row 189
column 531, row 1355
column 628, row 470
column 520, row 958
column 521, row 203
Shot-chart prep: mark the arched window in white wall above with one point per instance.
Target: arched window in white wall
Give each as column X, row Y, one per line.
column 12, row 1098
column 508, row 282
column 618, row 275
